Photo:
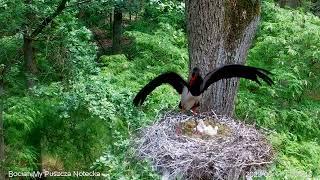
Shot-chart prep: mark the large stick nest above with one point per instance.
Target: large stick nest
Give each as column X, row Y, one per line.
column 235, row 151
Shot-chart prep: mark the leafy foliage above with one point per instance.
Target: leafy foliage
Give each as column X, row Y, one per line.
column 287, row 44
column 171, row 12
column 76, row 51
column 84, row 115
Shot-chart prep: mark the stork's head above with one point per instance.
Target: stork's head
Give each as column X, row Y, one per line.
column 195, row 73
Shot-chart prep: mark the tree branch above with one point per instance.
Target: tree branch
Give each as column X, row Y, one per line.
column 2, row 69
column 48, row 19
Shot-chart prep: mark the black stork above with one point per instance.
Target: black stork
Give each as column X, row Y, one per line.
column 191, row 92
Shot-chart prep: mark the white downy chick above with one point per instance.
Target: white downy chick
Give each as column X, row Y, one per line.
column 211, row 131
column 208, row 130
column 201, row 126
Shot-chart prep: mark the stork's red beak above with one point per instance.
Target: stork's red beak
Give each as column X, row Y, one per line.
column 193, row 78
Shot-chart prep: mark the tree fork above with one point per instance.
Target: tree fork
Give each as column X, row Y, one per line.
column 28, row 51
column 47, row 20
column 220, row 32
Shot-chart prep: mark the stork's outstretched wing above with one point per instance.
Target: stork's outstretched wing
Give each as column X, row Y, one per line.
column 176, row 81
column 236, row 70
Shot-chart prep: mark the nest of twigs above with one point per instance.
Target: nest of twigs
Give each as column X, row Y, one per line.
column 237, row 150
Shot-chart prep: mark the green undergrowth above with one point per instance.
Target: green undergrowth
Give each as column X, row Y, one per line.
column 89, row 121
column 152, row 54
column 288, row 44
column 86, row 121
column 288, row 108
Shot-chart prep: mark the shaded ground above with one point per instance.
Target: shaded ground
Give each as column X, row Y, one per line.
column 103, row 39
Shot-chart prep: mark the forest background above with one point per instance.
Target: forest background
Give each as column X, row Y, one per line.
column 66, row 100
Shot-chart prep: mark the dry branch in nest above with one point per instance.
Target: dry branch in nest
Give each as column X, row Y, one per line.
column 236, row 151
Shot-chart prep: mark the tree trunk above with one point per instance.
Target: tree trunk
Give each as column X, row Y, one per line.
column 35, row 140
column 290, row 3
column 30, row 63
column 116, row 30
column 2, row 152
column 219, row 33
column 129, row 4
column 110, row 19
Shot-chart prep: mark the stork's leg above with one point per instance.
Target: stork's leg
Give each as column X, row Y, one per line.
column 181, row 109
column 194, row 109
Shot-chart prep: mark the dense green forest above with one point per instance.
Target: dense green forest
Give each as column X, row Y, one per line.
column 69, row 107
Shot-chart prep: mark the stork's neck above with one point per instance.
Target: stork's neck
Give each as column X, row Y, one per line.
column 194, row 85
column 192, row 81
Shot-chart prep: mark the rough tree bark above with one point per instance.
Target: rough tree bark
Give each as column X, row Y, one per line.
column 30, row 62
column 116, row 30
column 220, row 32
column 2, row 152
